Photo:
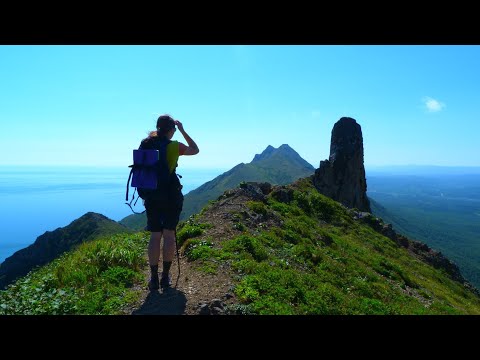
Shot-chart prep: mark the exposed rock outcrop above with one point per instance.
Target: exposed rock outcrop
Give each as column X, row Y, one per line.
column 342, row 176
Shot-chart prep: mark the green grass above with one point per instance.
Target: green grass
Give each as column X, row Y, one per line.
column 323, row 262
column 96, row 278
column 319, row 261
column 190, row 228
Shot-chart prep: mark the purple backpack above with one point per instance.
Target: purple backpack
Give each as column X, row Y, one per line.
column 144, row 169
column 149, row 172
column 143, row 174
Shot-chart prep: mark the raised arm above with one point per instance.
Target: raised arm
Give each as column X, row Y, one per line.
column 192, row 148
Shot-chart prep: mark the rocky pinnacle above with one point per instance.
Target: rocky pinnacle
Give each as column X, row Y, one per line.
column 342, row 176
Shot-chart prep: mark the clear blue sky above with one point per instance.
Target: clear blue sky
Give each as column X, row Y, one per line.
column 91, row 105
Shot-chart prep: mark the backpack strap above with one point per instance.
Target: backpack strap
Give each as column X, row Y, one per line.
column 128, row 181
column 133, row 196
column 130, row 206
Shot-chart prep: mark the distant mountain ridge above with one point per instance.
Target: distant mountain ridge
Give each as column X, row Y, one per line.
column 279, row 166
column 53, row 243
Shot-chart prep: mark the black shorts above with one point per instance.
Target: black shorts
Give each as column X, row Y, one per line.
column 163, row 215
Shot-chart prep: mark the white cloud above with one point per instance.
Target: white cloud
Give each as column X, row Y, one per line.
column 433, row 105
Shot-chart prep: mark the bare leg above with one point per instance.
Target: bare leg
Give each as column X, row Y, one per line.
column 153, row 259
column 168, row 253
column 154, row 248
column 168, row 245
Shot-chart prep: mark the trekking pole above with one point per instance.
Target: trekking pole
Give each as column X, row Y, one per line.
column 178, row 258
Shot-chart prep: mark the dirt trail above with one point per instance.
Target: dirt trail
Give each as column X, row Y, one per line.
column 198, row 292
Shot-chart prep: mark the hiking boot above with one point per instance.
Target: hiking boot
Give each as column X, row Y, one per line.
column 153, row 283
column 165, row 282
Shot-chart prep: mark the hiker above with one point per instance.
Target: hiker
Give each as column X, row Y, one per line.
column 163, row 214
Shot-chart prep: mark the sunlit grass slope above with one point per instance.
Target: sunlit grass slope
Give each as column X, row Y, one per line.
column 317, row 260
column 95, row 278
column 322, row 261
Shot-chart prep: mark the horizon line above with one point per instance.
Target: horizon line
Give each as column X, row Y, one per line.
column 215, row 167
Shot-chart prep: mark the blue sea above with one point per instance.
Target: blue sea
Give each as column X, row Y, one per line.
column 34, row 200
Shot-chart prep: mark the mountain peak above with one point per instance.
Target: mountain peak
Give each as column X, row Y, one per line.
column 284, row 150
column 276, row 166
column 285, row 146
column 265, row 153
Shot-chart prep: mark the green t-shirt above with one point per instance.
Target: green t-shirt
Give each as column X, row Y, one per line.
column 172, row 155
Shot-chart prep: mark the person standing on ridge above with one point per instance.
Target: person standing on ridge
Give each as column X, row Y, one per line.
column 163, row 212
